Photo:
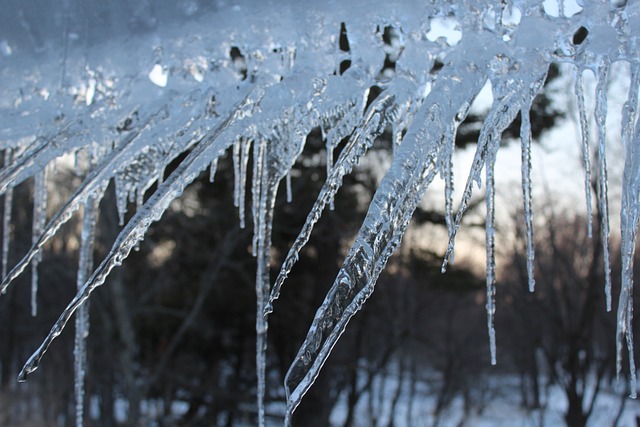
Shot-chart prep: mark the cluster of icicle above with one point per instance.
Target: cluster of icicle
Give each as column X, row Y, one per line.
column 284, row 80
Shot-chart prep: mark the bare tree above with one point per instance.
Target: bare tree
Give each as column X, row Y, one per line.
column 561, row 333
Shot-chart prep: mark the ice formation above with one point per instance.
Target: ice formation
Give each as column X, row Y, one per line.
column 254, row 78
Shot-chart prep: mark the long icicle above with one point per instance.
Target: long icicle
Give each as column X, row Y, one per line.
column 629, row 215
column 490, row 237
column 476, row 166
column 502, row 113
column 6, row 218
column 603, row 179
column 39, row 220
column 448, row 181
column 372, row 126
column 586, row 151
column 245, row 149
column 85, row 267
column 235, row 155
column 508, row 101
column 265, row 220
column 261, row 250
column 525, row 143
column 447, row 168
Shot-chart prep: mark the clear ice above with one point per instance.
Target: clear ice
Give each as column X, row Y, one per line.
column 292, row 77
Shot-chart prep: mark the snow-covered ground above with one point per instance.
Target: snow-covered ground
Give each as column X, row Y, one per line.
column 499, row 406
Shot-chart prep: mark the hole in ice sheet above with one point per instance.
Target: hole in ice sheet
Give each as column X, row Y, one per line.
column 551, row 8
column 159, row 75
column 618, row 3
column 388, row 35
column 484, row 99
column 344, row 66
column 124, row 126
column 571, row 7
column 437, row 66
column 343, row 41
column 393, row 47
column 580, row 35
column 374, row 91
column 511, row 16
column 127, row 123
column 210, row 110
column 343, row 45
column 444, row 26
column 239, row 61
column 388, row 70
column 393, row 42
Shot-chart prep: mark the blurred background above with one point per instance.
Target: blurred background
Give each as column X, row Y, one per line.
column 172, row 335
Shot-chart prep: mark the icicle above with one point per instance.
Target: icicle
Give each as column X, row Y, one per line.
column 197, row 160
column 259, row 168
column 94, row 184
column 258, row 191
column 288, row 184
column 490, row 233
column 121, row 201
column 476, row 166
column 6, row 219
column 160, row 177
column 39, row 221
column 586, row 152
column 603, row 180
column 139, row 198
column 236, row 172
column 629, row 215
column 329, row 169
column 396, row 138
column 42, row 151
column 212, row 169
column 525, row 138
column 263, row 222
column 244, row 160
column 85, row 267
column 372, row 125
column 412, row 171
column 447, row 166
column 502, row 113
column 77, row 168
column 508, row 102
column 68, row 138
